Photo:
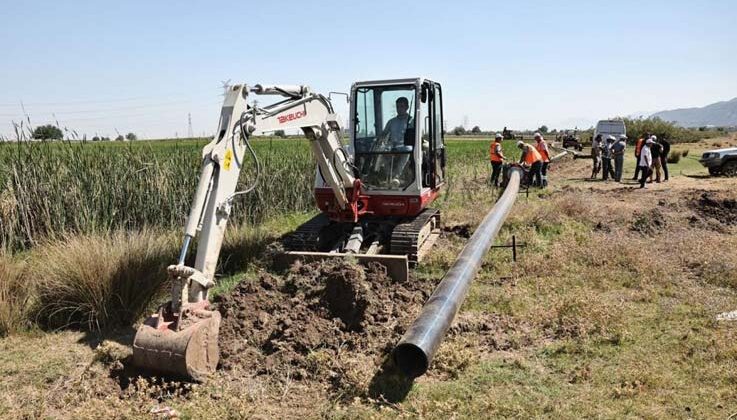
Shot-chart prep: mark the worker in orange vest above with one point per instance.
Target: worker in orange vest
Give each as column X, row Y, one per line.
column 531, row 160
column 638, row 147
column 497, row 158
column 542, row 147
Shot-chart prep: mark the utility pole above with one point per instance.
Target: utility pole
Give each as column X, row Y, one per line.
column 190, row 134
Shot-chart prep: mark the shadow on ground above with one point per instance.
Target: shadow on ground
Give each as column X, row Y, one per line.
column 389, row 383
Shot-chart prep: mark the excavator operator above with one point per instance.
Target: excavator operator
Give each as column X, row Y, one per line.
column 396, row 127
column 395, row 132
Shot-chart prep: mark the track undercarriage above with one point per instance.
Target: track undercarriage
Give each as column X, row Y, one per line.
column 398, row 243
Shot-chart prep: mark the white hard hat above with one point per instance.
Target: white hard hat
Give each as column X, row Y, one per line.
column 520, row 143
column 653, row 138
column 538, row 135
column 622, row 137
column 498, row 136
column 610, row 138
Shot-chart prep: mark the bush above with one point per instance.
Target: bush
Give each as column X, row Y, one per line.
column 131, row 137
column 96, row 282
column 636, row 128
column 674, row 158
column 48, row 132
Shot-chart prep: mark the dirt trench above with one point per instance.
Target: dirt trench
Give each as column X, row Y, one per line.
column 332, row 322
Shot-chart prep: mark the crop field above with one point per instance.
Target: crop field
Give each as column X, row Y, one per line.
column 610, row 311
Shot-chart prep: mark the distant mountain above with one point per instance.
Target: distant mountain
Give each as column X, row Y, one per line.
column 717, row 114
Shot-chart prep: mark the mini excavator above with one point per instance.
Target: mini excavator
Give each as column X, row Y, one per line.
column 373, row 193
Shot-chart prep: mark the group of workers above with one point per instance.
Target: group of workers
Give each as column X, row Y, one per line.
column 651, row 154
column 603, row 153
column 535, row 159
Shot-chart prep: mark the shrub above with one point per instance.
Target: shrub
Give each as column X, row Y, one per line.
column 47, row 132
column 15, row 297
column 636, row 128
column 674, row 158
column 94, row 282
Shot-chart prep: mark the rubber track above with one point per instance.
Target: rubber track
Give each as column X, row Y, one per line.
column 307, row 236
column 406, row 235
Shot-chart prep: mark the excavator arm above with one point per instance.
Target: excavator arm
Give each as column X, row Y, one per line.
column 181, row 339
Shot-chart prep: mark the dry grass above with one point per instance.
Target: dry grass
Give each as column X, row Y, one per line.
column 94, row 282
column 596, row 320
column 15, row 296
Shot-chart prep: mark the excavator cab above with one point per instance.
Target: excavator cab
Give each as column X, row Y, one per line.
column 397, row 135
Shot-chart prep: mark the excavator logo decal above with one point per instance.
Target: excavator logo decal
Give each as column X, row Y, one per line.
column 291, row 117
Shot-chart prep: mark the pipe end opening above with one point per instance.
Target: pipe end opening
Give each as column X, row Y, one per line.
column 411, row 360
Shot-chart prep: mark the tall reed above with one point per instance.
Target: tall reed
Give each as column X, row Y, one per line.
column 50, row 190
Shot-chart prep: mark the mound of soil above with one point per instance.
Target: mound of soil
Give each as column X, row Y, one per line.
column 305, row 323
column 717, row 206
column 463, row 231
column 648, row 222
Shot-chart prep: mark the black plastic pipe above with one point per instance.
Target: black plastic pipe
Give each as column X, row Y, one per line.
column 417, row 347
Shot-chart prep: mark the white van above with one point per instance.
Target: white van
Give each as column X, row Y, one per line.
column 610, row 128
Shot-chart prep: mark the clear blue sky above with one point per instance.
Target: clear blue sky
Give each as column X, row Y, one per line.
column 142, row 66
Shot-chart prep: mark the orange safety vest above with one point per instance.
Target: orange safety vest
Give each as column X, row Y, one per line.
column 532, row 155
column 542, row 148
column 638, row 146
column 493, row 155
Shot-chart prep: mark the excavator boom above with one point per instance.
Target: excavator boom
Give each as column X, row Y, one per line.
column 181, row 339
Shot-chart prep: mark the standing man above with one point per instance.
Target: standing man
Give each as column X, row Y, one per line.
column 542, row 147
column 531, row 160
column 645, row 161
column 656, row 150
column 665, row 144
column 638, row 147
column 596, row 156
column 618, row 154
column 606, row 154
column 497, row 158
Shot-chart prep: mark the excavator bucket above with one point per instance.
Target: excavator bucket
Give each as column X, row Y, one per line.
column 181, row 344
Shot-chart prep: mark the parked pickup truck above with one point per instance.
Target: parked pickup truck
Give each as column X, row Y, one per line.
column 720, row 161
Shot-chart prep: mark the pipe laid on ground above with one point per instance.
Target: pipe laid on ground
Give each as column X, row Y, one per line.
column 560, row 155
column 417, row 347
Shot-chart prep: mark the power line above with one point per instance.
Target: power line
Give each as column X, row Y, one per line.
column 101, row 117
column 97, row 111
column 94, row 101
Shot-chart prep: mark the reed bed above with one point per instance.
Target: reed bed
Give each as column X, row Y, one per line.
column 53, row 190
